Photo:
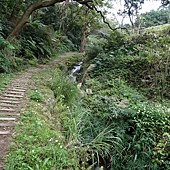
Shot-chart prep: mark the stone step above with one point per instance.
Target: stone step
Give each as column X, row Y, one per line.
column 12, row 95
column 10, row 99
column 22, row 85
column 10, row 102
column 18, row 90
column 7, row 124
column 5, row 132
column 19, row 87
column 6, row 110
column 16, row 84
column 14, row 92
column 9, row 114
column 21, row 82
column 8, row 105
column 7, row 119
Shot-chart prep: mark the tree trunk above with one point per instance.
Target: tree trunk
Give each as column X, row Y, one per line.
column 83, row 38
column 25, row 18
column 132, row 24
column 139, row 27
column 15, row 14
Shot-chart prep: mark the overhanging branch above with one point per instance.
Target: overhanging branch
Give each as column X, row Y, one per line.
column 103, row 17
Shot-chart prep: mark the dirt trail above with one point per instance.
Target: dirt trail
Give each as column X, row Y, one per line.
column 11, row 101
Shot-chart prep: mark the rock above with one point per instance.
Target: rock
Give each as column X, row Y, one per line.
column 79, row 86
column 89, row 91
column 91, row 67
column 123, row 103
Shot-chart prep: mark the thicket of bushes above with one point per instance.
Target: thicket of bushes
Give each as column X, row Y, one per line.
column 130, row 86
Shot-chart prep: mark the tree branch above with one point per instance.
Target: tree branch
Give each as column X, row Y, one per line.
column 25, row 18
column 104, row 20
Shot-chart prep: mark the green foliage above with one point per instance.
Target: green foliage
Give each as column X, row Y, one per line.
column 128, row 67
column 63, row 43
column 8, row 59
column 137, row 126
column 36, row 41
column 6, row 62
column 64, row 90
column 143, row 61
column 35, row 95
column 152, row 123
column 94, row 46
column 63, row 20
column 158, row 28
column 115, row 42
column 154, row 18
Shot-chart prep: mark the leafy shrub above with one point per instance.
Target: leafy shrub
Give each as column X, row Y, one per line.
column 139, row 126
column 95, row 46
column 115, row 42
column 142, row 132
column 151, row 124
column 9, row 59
column 35, row 95
column 62, row 43
column 142, row 61
column 36, row 41
column 5, row 64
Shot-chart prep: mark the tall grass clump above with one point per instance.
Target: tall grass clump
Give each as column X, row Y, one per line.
column 64, row 89
column 85, row 138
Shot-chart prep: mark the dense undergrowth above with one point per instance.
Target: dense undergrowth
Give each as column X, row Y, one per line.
column 130, row 96
column 119, row 119
column 37, row 43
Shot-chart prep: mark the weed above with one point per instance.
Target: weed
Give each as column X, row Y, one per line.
column 35, row 95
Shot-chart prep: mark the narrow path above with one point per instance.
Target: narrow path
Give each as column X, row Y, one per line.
column 11, row 101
